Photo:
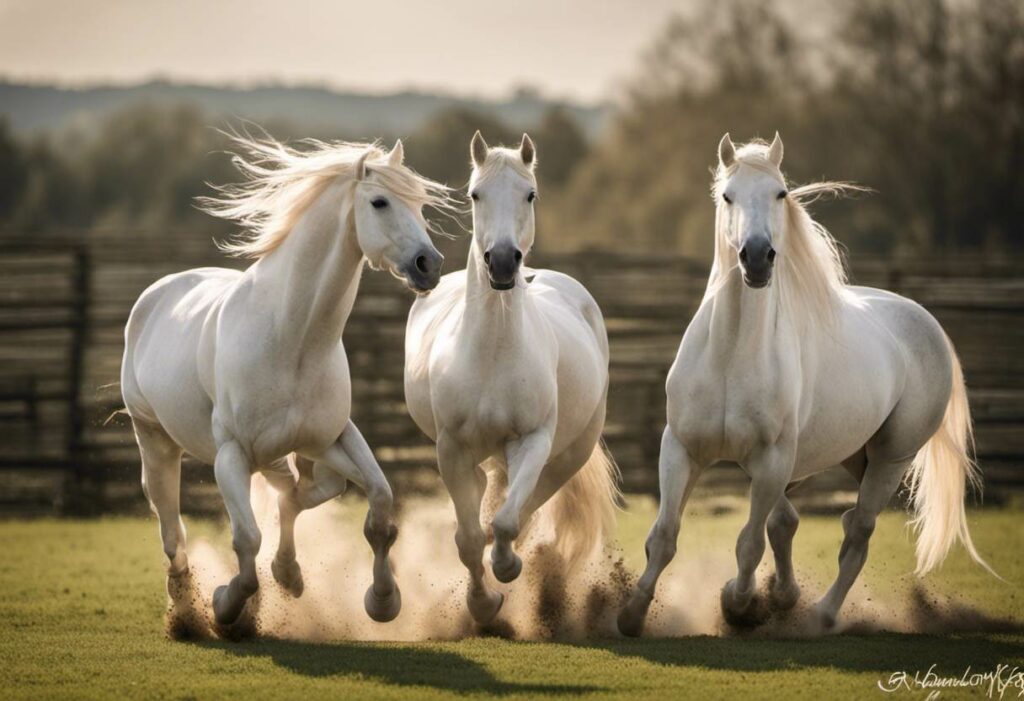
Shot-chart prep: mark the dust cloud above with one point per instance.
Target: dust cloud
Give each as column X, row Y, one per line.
column 544, row 603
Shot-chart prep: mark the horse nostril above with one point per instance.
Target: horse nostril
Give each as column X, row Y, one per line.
column 743, row 254
column 519, row 255
column 487, row 257
column 421, row 264
column 771, row 255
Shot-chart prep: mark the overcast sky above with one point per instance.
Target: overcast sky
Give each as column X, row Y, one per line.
column 570, row 48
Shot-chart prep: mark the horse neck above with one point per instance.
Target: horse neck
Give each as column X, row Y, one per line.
column 744, row 321
column 491, row 317
column 313, row 276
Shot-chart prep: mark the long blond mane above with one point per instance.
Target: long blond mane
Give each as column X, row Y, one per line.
column 810, row 274
column 281, row 182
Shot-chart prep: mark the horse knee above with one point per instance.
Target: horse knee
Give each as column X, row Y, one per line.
column 504, row 528
column 782, row 524
column 469, row 542
column 246, row 540
column 662, row 540
column 381, row 499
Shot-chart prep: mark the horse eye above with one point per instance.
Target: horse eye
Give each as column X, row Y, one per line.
column 531, row 197
column 782, row 195
column 475, row 196
column 726, row 198
column 379, row 203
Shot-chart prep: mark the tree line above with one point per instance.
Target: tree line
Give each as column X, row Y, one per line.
column 920, row 100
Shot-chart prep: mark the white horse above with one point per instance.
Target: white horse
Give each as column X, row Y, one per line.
column 242, row 369
column 790, row 374
column 509, row 369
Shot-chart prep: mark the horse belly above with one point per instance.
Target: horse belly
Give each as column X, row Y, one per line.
column 855, row 392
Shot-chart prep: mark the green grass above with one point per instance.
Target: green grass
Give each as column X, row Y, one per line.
column 81, row 615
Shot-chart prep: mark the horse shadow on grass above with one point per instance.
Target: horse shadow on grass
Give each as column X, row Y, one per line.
column 881, row 653
column 951, row 636
column 389, row 663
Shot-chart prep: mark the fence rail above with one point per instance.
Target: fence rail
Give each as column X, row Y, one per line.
column 64, row 302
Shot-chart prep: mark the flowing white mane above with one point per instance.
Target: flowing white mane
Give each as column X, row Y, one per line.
column 810, row 274
column 282, row 182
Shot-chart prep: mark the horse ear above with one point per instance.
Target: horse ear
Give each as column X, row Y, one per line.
column 527, row 150
column 478, row 148
column 726, row 151
column 775, row 151
column 360, row 167
column 397, row 155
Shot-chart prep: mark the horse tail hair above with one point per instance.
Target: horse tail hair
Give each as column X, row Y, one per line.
column 938, row 479
column 584, row 509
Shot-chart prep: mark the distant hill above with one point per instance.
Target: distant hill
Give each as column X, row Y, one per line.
column 35, row 108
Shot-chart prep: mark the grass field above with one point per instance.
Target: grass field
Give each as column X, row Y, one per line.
column 82, row 603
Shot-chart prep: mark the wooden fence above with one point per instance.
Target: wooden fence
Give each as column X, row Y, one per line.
column 64, row 302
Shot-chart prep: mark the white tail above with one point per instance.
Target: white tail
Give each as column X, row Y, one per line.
column 583, row 510
column 938, row 478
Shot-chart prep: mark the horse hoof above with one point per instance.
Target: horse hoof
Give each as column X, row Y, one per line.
column 288, row 576
column 179, row 584
column 783, row 598
column 507, row 571
column 737, row 614
column 483, row 609
column 383, row 609
column 631, row 618
column 228, row 604
column 825, row 620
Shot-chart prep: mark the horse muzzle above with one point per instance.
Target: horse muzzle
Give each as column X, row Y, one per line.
column 503, row 263
column 757, row 261
column 423, row 272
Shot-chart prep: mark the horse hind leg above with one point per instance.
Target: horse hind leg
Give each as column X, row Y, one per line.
column 783, row 592
column 881, row 479
column 161, row 483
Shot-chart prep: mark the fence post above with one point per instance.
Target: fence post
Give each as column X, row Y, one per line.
column 84, row 491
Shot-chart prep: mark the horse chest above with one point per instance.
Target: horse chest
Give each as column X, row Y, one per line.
column 494, row 403
column 726, row 416
column 300, row 406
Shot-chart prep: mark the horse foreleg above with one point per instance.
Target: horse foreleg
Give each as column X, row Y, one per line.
column 677, row 475
column 466, row 483
column 234, row 479
column 782, row 525
column 352, row 458
column 316, row 485
column 770, row 471
column 880, row 482
column 526, row 458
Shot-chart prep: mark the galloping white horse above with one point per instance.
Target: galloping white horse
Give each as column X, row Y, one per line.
column 510, row 369
column 790, row 374
column 241, row 369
